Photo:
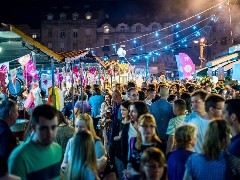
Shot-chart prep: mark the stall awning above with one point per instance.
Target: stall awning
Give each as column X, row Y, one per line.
column 230, row 65
column 221, row 60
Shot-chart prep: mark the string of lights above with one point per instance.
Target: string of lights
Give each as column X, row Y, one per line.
column 165, row 28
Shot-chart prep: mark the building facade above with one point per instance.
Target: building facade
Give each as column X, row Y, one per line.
column 141, row 37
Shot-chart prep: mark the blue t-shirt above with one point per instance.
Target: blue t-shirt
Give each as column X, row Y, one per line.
column 176, row 163
column 200, row 168
column 234, row 146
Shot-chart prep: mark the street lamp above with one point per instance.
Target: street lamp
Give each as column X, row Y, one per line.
column 202, row 46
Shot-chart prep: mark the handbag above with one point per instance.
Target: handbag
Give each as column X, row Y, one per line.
column 232, row 167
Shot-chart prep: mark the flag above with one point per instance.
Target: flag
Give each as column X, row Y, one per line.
column 31, row 70
column 180, row 70
column 13, row 73
column 188, row 67
column 24, row 59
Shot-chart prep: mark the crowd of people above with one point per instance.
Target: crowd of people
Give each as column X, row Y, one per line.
column 167, row 130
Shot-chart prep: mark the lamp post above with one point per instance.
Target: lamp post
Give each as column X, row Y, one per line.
column 202, row 46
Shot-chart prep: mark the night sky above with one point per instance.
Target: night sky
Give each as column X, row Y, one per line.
column 29, row 11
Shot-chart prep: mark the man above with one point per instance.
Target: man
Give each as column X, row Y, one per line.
column 39, row 157
column 133, row 94
column 231, row 113
column 162, row 110
column 8, row 117
column 151, row 94
column 205, row 109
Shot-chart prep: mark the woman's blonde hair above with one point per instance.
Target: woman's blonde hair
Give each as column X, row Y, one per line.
column 154, row 154
column 216, row 138
column 184, row 135
column 83, row 156
column 89, row 123
column 145, row 120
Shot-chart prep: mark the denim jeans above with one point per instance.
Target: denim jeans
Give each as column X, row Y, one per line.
column 120, row 167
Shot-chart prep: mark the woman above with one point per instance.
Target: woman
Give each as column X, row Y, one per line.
column 118, row 151
column 64, row 132
column 83, row 164
column 129, row 130
column 153, row 166
column 95, row 102
column 211, row 164
column 82, row 106
column 185, row 137
column 84, row 121
column 146, row 137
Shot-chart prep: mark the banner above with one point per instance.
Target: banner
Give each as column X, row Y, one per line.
column 236, row 72
column 220, row 73
column 4, row 68
column 188, row 68
column 13, row 74
column 31, row 70
column 24, row 59
column 180, row 70
column 209, row 73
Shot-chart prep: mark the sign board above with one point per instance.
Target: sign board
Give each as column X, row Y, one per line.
column 236, row 72
column 220, row 73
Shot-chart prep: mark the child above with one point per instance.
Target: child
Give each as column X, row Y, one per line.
column 179, row 109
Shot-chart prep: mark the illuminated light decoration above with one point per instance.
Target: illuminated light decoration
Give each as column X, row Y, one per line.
column 150, row 53
column 220, row 7
column 141, row 49
column 159, row 42
column 199, row 17
column 114, row 46
column 197, row 34
column 156, row 34
column 172, row 50
column 177, row 35
column 194, row 27
column 138, row 57
column 134, row 41
column 177, row 25
column 165, row 47
column 179, row 45
column 185, row 45
column 134, row 60
column 92, row 51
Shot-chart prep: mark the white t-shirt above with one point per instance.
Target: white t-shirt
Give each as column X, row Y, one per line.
column 202, row 125
column 131, row 133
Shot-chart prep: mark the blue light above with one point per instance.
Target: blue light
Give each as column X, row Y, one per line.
column 134, row 41
column 199, row 17
column 134, row 60
column 141, row 49
column 165, row 47
column 172, row 50
column 179, row 45
column 194, row 27
column 156, row 34
column 114, row 46
column 150, row 53
column 185, row 45
column 177, row 26
column 146, row 57
column 138, row 57
column 177, row 35
column 92, row 51
column 159, row 42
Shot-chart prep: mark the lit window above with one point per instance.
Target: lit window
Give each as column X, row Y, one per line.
column 34, row 36
column 106, row 29
column 88, row 15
